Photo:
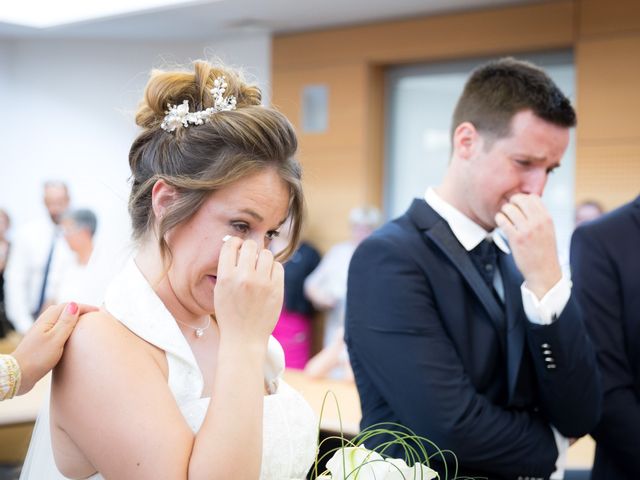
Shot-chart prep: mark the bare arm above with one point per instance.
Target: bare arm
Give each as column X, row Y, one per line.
column 234, row 420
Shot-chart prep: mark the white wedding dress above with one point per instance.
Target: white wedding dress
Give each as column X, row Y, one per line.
column 290, row 428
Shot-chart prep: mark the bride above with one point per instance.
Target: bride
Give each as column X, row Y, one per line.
column 177, row 376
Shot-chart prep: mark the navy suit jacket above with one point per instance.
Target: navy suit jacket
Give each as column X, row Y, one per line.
column 605, row 265
column 432, row 349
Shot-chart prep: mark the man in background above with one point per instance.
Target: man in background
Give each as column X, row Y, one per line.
column 467, row 334
column 39, row 254
column 605, row 266
column 587, row 211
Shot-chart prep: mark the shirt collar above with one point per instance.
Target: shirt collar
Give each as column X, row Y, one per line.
column 468, row 233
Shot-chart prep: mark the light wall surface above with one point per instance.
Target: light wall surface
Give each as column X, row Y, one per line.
column 68, row 113
column 4, row 72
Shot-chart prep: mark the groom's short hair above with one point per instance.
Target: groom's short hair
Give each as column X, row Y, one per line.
column 497, row 90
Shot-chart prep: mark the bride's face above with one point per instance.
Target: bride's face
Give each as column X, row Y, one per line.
column 251, row 208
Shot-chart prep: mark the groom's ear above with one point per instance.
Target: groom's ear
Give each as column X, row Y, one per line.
column 465, row 140
column 163, row 196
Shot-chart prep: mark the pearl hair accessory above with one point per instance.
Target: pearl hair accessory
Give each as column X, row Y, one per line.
column 180, row 115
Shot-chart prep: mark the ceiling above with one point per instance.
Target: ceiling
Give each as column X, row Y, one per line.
column 216, row 18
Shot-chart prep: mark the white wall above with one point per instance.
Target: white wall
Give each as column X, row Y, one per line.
column 67, row 113
column 4, row 72
column 5, row 107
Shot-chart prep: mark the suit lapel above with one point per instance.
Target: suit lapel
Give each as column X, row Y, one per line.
column 509, row 318
column 512, row 279
column 443, row 237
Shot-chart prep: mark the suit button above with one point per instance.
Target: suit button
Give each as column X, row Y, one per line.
column 549, row 359
column 547, row 352
column 545, row 346
column 551, row 366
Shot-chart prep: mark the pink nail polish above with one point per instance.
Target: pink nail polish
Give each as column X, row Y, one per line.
column 72, row 308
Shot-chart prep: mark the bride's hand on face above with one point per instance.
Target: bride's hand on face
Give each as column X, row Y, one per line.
column 249, row 292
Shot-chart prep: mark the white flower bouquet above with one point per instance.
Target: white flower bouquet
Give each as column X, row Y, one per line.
column 353, row 461
column 363, row 464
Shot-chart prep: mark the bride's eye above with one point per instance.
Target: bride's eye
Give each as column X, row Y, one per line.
column 240, row 228
column 272, row 234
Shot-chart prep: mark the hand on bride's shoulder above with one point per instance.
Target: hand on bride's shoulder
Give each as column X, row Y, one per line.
column 249, row 291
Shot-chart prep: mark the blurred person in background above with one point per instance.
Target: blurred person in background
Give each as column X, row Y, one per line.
column 39, row 255
column 294, row 327
column 588, row 210
column 5, row 326
column 326, row 287
column 78, row 228
column 585, row 211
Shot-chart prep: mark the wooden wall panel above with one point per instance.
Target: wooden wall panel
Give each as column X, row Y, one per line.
column 530, row 27
column 601, row 17
column 347, row 102
column 374, row 146
column 609, row 173
column 333, row 187
column 334, row 161
column 607, row 88
column 608, row 66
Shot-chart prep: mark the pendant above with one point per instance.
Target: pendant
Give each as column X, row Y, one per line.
column 199, row 332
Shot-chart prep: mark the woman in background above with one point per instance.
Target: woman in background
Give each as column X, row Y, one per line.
column 326, row 287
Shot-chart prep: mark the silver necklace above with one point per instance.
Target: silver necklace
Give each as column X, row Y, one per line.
column 199, row 331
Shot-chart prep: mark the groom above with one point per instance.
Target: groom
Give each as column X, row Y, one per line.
column 466, row 334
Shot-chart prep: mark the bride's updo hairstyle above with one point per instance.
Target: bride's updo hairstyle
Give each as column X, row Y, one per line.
column 199, row 159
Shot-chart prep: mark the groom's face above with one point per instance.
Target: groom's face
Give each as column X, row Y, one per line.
column 520, row 162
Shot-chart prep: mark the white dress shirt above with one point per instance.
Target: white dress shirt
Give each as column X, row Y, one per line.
column 25, row 270
column 539, row 311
